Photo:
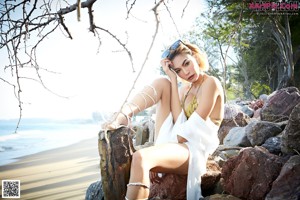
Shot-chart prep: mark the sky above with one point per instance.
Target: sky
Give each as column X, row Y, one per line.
column 92, row 78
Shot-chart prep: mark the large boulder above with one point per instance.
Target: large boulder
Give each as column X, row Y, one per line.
column 287, row 184
column 291, row 135
column 250, row 174
column 237, row 137
column 221, row 197
column 280, row 104
column 94, row 191
column 259, row 131
column 173, row 186
column 233, row 117
column 144, row 132
column 212, row 175
column 273, row 144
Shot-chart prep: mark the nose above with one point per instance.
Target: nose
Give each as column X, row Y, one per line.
column 185, row 71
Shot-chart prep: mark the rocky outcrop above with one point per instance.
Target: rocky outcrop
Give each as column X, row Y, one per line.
column 280, row 104
column 287, row 184
column 257, row 158
column 291, row 134
column 257, row 173
column 250, row 174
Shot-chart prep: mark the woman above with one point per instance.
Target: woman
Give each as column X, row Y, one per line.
column 187, row 122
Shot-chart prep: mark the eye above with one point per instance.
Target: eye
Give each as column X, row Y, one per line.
column 187, row 63
column 177, row 71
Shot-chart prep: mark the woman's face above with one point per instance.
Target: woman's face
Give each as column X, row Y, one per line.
column 186, row 67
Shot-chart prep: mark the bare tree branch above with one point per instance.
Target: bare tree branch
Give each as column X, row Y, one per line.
column 154, row 9
column 172, row 19
column 15, row 32
column 119, row 41
column 22, row 35
column 61, row 20
column 183, row 10
column 129, row 9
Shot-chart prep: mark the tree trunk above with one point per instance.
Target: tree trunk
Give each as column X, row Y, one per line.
column 115, row 150
column 282, row 37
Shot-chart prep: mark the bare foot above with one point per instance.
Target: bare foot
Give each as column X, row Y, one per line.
column 119, row 120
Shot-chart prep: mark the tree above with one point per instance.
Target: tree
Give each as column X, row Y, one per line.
column 26, row 24
column 232, row 23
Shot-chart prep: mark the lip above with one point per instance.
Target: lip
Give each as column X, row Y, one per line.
column 191, row 77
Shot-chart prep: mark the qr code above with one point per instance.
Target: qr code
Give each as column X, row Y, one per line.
column 10, row 188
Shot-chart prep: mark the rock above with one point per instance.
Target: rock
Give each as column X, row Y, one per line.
column 223, row 131
column 291, row 134
column 233, row 117
column 264, row 97
column 223, row 153
column 147, row 144
column 247, row 110
column 283, row 124
column 280, row 104
column 221, row 197
column 115, row 149
column 173, row 186
column 144, row 132
column 273, row 144
column 287, row 184
column 94, row 192
column 211, row 177
column 250, row 174
column 259, row 131
column 254, row 105
column 237, row 137
column 256, row 114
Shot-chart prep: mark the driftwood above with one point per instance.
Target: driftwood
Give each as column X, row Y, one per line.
column 115, row 150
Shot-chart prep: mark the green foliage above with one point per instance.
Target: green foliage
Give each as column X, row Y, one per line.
column 257, row 89
column 234, row 93
column 259, row 60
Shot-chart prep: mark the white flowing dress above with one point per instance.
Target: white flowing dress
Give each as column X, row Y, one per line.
column 202, row 140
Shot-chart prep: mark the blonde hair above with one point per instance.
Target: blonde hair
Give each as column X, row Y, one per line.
column 188, row 48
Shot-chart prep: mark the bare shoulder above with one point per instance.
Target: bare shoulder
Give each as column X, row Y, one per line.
column 211, row 84
column 212, row 81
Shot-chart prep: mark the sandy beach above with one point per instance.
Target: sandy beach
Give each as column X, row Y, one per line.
column 62, row 173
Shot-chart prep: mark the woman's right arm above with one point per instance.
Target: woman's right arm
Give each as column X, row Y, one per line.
column 175, row 100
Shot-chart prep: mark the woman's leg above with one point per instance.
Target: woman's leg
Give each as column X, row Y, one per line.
column 165, row 158
column 158, row 92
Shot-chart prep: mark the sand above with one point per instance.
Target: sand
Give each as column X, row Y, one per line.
column 62, row 173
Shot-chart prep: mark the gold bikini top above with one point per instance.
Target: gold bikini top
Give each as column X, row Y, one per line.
column 191, row 107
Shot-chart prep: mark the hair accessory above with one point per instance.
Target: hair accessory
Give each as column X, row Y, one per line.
column 167, row 53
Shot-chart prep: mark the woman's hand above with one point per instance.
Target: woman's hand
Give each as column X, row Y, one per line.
column 155, row 178
column 167, row 67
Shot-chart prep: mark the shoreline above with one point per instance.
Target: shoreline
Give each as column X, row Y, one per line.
column 60, row 173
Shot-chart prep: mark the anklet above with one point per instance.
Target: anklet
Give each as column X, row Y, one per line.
column 138, row 184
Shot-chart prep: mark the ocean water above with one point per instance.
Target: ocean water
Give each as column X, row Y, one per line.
column 36, row 135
